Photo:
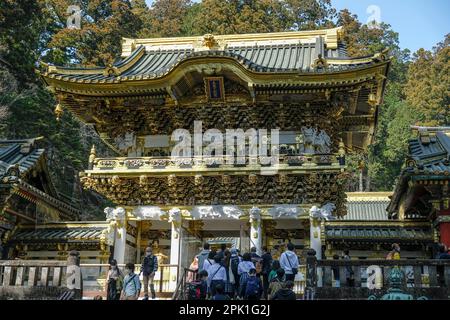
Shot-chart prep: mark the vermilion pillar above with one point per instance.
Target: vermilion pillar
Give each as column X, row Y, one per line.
column 444, row 226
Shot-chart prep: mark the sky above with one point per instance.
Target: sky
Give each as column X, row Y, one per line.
column 420, row 23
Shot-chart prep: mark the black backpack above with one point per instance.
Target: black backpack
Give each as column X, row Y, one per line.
column 234, row 262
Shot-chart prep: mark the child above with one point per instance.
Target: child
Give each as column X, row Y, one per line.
column 253, row 286
column 203, row 275
column 276, row 284
column 219, row 293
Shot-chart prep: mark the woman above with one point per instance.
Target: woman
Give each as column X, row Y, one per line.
column 194, row 266
column 114, row 281
column 273, row 271
column 229, row 283
column 243, row 268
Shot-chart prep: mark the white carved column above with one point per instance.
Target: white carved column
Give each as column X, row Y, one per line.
column 118, row 228
column 317, row 215
column 255, row 229
column 175, row 243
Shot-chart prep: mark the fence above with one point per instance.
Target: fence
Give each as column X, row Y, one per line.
column 39, row 279
column 358, row 279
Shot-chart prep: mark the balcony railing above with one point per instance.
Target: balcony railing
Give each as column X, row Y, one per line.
column 180, row 163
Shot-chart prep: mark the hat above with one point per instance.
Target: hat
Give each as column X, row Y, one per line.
column 233, row 251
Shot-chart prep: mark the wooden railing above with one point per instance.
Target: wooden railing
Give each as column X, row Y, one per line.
column 28, row 279
column 47, row 278
column 358, row 279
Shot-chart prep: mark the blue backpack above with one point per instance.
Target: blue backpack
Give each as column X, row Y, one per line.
column 252, row 288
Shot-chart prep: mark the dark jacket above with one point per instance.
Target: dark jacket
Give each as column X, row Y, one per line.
column 149, row 265
column 266, row 263
column 284, row 294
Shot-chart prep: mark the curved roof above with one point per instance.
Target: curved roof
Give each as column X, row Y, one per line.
column 286, row 52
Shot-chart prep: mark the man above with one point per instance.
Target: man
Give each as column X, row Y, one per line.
column 221, row 252
column 285, row 293
column 131, row 284
column 348, row 269
column 289, row 262
column 202, row 256
column 148, row 269
column 266, row 268
column 220, row 293
column 257, row 261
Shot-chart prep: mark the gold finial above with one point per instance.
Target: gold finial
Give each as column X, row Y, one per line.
column 59, row 111
column 92, row 157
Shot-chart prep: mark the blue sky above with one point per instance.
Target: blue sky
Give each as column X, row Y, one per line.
column 420, row 23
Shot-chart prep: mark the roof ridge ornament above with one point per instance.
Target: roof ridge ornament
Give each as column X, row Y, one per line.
column 209, row 42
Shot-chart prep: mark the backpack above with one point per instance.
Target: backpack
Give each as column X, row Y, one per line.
column 234, row 262
column 194, row 291
column 252, row 288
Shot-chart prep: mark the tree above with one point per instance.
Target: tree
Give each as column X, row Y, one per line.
column 167, row 17
column 98, row 41
column 428, row 84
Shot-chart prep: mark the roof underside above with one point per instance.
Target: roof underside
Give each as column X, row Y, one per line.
column 58, row 235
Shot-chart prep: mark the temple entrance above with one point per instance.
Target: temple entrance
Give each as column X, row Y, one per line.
column 232, row 233
column 278, row 233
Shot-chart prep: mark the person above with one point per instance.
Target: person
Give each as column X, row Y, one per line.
column 216, row 275
column 348, row 269
column 443, row 252
column 194, row 267
column 289, row 262
column 336, row 275
column 220, row 295
column 98, row 297
column 221, row 252
column 148, row 269
column 131, row 284
column 257, row 261
column 243, row 268
column 202, row 256
column 286, row 293
column 203, row 276
column 394, row 254
column 198, row 290
column 235, row 259
column 229, row 282
column 273, row 271
column 114, row 281
column 209, row 261
column 266, row 266
column 253, row 286
column 276, row 283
